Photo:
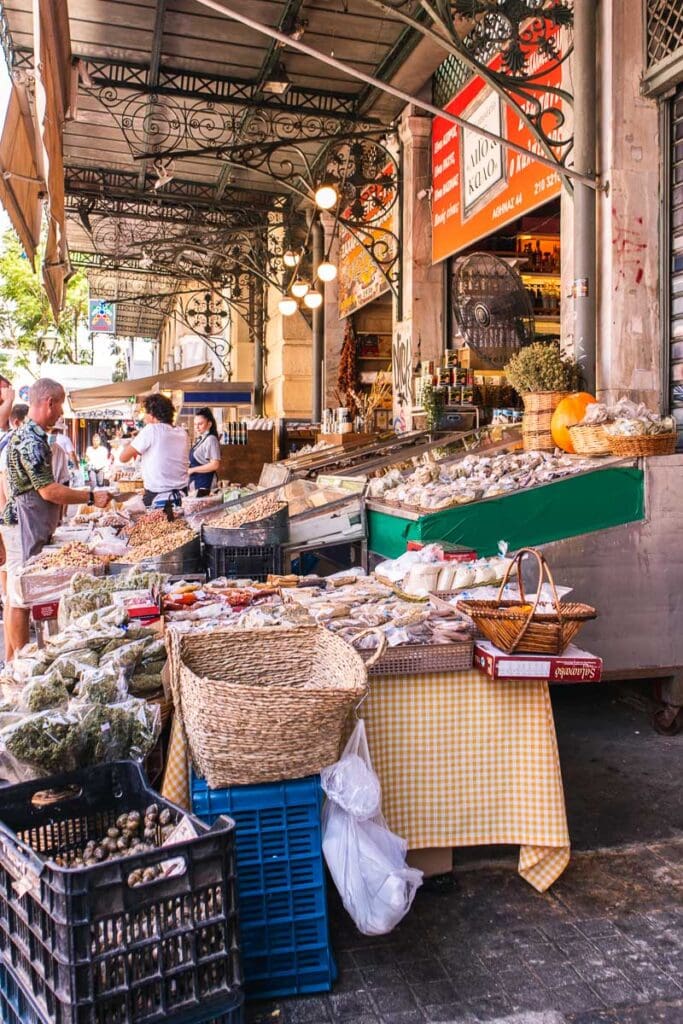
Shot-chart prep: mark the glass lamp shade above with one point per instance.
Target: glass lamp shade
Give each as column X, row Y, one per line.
column 290, row 258
column 326, row 197
column 299, row 289
column 327, row 271
column 287, row 306
column 313, row 299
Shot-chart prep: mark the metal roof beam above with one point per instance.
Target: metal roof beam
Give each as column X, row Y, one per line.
column 154, row 63
column 112, row 183
column 180, row 83
column 233, row 218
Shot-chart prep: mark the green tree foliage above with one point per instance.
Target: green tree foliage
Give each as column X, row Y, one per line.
column 25, row 314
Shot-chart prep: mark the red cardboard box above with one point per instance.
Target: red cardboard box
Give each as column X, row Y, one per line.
column 574, row 666
column 451, row 552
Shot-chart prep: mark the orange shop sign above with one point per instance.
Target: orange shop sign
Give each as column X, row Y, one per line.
column 479, row 186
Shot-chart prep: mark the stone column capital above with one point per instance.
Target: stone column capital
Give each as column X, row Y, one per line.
column 415, row 129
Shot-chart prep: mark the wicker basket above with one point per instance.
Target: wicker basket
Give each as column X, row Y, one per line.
column 638, row 447
column 265, row 704
column 539, row 407
column 416, row 659
column 516, row 626
column 590, row 439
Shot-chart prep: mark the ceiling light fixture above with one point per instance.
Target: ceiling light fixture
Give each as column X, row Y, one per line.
column 299, row 289
column 326, row 197
column 287, row 306
column 326, row 271
column 313, row 300
column 277, row 82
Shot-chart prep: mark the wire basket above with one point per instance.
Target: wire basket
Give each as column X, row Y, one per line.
column 639, row 447
column 590, row 439
column 263, row 705
column 517, row 626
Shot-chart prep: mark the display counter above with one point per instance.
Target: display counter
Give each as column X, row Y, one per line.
column 570, row 507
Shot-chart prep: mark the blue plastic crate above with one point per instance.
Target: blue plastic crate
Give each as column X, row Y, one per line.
column 16, row 1007
column 284, row 928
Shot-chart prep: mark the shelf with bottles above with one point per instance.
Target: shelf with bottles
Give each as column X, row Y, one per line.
column 540, row 252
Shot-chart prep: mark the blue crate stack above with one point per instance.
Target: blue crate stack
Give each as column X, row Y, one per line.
column 284, row 928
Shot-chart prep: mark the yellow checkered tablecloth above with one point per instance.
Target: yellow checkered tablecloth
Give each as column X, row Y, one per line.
column 466, row 761
column 463, row 761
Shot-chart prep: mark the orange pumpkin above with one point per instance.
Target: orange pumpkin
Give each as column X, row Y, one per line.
column 568, row 413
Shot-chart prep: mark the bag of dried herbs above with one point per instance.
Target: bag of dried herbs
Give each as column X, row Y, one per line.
column 101, row 686
column 43, row 692
column 122, row 731
column 45, row 743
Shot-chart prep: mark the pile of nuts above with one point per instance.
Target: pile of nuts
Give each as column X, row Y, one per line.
column 153, row 537
column 131, row 835
column 71, row 556
column 260, row 508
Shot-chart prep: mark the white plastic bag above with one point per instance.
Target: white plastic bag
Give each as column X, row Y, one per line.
column 366, row 859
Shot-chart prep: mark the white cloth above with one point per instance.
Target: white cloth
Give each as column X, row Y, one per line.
column 14, row 559
column 164, row 452
column 65, row 443
column 97, row 458
column 208, row 449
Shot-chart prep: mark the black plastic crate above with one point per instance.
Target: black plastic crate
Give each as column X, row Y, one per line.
column 17, row 1008
column 253, row 563
column 88, row 948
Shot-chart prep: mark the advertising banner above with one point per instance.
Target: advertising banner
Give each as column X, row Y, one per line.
column 360, row 279
column 477, row 185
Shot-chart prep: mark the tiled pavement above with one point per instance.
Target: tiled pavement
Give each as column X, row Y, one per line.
column 605, row 946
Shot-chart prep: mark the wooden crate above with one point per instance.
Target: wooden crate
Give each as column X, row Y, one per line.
column 242, row 463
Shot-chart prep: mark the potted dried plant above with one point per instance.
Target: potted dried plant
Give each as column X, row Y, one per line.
column 543, row 377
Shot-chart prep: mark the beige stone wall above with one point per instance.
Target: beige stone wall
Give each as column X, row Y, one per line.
column 629, row 345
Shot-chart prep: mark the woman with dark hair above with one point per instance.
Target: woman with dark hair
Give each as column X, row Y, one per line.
column 163, row 453
column 205, row 453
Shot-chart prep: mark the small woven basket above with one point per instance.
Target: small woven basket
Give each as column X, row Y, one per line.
column 590, row 439
column 539, row 407
column 265, row 704
column 517, row 626
column 639, row 447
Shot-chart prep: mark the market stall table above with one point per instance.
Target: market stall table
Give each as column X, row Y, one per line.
column 467, row 761
column 463, row 761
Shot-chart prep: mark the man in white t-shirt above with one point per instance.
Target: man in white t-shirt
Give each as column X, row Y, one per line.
column 66, row 444
column 163, row 451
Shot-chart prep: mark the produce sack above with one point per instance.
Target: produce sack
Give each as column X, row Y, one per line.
column 366, row 859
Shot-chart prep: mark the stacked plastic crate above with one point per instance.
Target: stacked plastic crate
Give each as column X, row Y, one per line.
column 284, row 929
column 87, row 944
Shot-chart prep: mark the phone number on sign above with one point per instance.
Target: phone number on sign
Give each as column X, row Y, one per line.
column 549, row 181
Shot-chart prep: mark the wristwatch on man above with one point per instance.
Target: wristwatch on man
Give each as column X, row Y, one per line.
column 91, row 497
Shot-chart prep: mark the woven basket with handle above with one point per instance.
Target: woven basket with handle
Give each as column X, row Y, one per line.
column 265, row 704
column 518, row 626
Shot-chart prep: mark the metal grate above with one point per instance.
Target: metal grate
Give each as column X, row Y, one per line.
column 664, row 29
column 448, row 80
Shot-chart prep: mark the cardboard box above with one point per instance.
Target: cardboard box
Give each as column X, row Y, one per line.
column 574, row 666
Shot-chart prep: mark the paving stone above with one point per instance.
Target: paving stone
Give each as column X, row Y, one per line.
column 614, row 993
column 350, row 981
column 415, row 1016
column 431, row 993
column 352, row 1006
column 576, row 998
column 399, row 997
column 306, row 1011
column 490, row 1008
column 381, row 977
column 422, row 970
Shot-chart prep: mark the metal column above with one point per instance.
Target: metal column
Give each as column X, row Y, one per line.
column 318, row 352
column 585, row 241
column 258, row 329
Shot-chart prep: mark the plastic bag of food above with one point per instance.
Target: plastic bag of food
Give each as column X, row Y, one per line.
column 125, row 657
column 72, row 666
column 114, row 732
column 101, row 686
column 45, row 744
column 366, row 859
column 43, row 692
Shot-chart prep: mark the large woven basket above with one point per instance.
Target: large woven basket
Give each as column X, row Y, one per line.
column 517, row 626
column 590, row 439
column 539, row 407
column 639, row 447
column 265, row 704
